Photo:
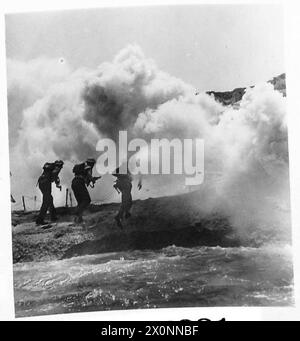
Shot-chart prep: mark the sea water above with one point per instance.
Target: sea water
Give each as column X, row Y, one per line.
column 171, row 277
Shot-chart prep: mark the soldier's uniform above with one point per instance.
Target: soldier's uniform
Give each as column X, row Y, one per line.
column 49, row 175
column 83, row 177
column 124, row 185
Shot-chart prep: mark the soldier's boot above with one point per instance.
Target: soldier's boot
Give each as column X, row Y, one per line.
column 127, row 215
column 40, row 222
column 119, row 222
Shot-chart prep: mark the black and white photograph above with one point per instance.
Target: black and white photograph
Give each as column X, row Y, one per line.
column 149, row 158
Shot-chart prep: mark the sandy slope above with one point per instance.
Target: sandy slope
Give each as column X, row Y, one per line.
column 155, row 223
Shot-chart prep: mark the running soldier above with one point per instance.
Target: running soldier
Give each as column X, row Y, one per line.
column 123, row 185
column 49, row 175
column 82, row 179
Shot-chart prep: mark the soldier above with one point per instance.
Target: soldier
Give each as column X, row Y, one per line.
column 123, row 185
column 82, row 179
column 49, row 175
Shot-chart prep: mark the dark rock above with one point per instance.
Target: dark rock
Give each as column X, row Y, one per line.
column 234, row 96
column 153, row 240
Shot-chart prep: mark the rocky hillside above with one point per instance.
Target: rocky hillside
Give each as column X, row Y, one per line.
column 234, row 96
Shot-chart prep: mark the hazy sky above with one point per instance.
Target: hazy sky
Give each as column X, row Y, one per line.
column 212, row 47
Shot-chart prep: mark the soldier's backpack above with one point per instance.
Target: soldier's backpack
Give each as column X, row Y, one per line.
column 49, row 167
column 79, row 169
column 46, row 176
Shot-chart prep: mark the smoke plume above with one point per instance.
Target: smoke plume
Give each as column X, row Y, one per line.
column 56, row 112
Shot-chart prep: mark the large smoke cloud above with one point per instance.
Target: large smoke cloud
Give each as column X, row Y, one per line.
column 28, row 82
column 56, row 112
column 120, row 90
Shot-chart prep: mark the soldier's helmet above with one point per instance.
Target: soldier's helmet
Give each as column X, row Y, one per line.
column 48, row 167
column 91, row 162
column 59, row 163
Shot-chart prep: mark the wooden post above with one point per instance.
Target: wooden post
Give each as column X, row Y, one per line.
column 70, row 193
column 23, row 200
column 67, row 191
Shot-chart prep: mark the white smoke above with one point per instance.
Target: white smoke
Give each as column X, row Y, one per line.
column 59, row 113
column 28, row 82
